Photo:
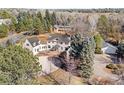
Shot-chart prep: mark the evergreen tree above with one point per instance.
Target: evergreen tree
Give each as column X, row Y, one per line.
column 3, row 30
column 103, row 26
column 87, row 55
column 48, row 16
column 18, row 66
column 20, row 26
column 83, row 49
column 37, row 25
column 44, row 26
column 47, row 21
column 5, row 14
column 39, row 15
column 12, row 26
column 120, row 51
column 53, row 19
column 99, row 42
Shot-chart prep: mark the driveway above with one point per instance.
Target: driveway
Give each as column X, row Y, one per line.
column 47, row 66
column 100, row 63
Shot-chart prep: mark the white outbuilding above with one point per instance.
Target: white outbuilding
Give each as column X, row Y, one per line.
column 108, row 48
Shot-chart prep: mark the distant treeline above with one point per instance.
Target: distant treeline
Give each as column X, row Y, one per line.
column 99, row 10
column 93, row 10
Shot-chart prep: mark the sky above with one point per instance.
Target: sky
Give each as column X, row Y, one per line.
column 61, row 4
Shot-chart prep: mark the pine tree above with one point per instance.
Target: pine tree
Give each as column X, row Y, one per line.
column 20, row 26
column 12, row 26
column 37, row 25
column 53, row 19
column 3, row 30
column 99, row 42
column 39, row 15
column 103, row 26
column 48, row 16
column 83, row 49
column 18, row 66
column 47, row 21
column 87, row 55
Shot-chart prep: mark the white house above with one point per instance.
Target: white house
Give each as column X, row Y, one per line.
column 108, row 48
column 35, row 45
column 54, row 43
column 58, row 42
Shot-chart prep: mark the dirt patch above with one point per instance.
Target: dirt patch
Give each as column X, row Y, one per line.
column 48, row 53
column 61, row 77
column 97, row 80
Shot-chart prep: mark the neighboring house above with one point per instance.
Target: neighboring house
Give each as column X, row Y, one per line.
column 54, row 43
column 35, row 45
column 61, row 29
column 58, row 42
column 108, row 48
column 5, row 21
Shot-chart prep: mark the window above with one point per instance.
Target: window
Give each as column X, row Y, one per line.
column 45, row 47
column 53, row 41
column 27, row 44
column 61, row 48
column 66, row 43
column 49, row 46
column 61, row 42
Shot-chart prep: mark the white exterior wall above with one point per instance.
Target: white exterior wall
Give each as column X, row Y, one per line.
column 39, row 48
column 35, row 49
column 44, row 47
column 51, row 44
column 63, row 46
column 27, row 47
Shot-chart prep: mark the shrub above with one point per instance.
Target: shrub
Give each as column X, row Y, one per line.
column 116, row 71
column 98, row 51
column 111, row 66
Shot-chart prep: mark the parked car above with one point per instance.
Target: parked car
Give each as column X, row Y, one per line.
column 30, row 33
column 27, row 33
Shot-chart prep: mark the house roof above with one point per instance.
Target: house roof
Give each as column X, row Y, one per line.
column 61, row 27
column 59, row 38
column 34, row 41
column 105, row 44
